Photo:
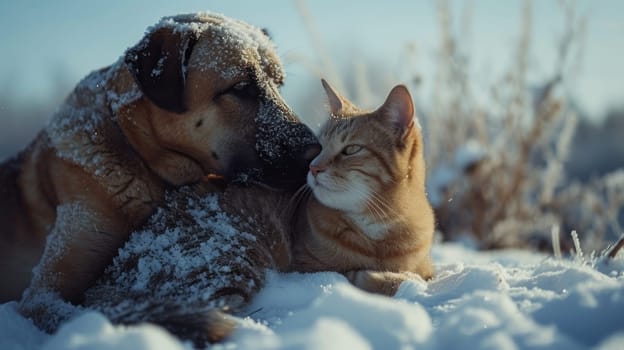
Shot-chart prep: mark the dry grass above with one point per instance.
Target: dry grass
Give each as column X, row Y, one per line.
column 496, row 172
column 517, row 191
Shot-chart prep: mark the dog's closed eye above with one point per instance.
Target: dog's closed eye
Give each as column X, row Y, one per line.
column 246, row 89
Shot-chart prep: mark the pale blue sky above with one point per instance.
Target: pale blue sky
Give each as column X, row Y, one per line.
column 40, row 40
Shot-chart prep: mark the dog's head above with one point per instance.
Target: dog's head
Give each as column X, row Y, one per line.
column 210, row 104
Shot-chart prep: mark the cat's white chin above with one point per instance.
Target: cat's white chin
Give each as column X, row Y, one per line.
column 349, row 201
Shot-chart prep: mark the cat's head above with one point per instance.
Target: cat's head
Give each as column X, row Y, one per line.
column 367, row 156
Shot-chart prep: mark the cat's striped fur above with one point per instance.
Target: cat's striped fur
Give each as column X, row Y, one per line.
column 369, row 216
column 364, row 214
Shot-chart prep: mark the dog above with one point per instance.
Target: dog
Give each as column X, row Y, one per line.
column 198, row 95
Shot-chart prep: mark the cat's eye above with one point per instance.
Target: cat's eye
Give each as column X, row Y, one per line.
column 351, row 149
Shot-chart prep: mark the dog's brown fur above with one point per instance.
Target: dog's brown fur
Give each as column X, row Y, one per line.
column 198, row 95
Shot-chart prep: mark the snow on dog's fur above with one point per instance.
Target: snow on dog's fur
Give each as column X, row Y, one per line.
column 197, row 95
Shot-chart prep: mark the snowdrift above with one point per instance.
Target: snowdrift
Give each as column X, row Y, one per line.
column 479, row 300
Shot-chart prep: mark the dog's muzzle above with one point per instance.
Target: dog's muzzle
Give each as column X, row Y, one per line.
column 285, row 145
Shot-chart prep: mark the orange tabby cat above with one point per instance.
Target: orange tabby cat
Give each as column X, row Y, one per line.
column 369, row 217
column 205, row 254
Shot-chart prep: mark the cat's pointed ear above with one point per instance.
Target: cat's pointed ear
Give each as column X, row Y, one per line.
column 337, row 103
column 399, row 109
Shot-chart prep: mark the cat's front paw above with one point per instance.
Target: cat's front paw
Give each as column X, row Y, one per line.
column 380, row 282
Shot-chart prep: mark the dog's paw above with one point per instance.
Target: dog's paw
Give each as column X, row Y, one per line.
column 48, row 310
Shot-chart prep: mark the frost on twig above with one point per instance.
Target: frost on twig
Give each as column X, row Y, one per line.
column 613, row 251
column 577, row 246
column 555, row 241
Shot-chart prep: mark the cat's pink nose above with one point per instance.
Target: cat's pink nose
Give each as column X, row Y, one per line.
column 315, row 169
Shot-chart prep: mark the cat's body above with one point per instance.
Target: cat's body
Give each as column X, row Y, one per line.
column 369, row 210
column 368, row 218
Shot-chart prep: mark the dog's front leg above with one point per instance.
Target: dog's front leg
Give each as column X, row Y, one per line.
column 81, row 244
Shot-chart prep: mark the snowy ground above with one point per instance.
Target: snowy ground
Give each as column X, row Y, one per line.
column 491, row 300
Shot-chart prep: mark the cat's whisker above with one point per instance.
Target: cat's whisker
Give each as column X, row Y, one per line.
column 376, row 211
column 373, row 206
column 384, row 209
column 298, row 197
column 298, row 194
column 375, row 196
column 370, row 195
column 381, row 213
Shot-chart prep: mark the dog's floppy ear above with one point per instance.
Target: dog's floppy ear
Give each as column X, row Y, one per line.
column 158, row 64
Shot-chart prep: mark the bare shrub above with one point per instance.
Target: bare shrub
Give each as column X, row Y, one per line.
column 512, row 192
column 496, row 172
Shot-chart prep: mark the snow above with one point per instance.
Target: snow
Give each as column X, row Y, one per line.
column 278, row 132
column 75, row 130
column 233, row 38
column 478, row 300
column 71, row 217
column 93, row 331
column 173, row 265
